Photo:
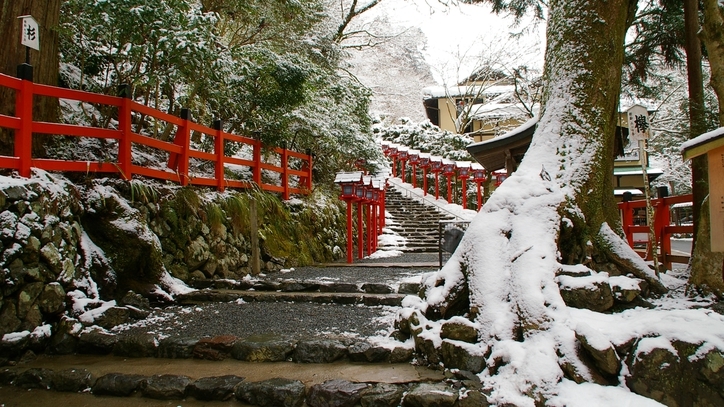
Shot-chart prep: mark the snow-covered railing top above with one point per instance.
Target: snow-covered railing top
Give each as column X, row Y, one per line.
column 294, row 169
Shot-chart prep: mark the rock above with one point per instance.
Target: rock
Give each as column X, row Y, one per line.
column 406, row 321
column 263, row 348
column 335, row 393
column 592, row 292
column 33, row 318
column 339, row 288
column 135, row 300
column 401, row 355
column 459, row 329
column 35, row 378
column 27, row 297
column 463, row 356
column 625, row 289
column 176, row 348
column 214, row 388
column 676, row 373
column 9, row 321
column 600, row 349
column 72, row 380
column 113, row 317
column 15, row 344
column 409, row 288
column 140, row 345
column 165, row 387
column 52, row 258
column 426, row 346
column 430, row 395
column 272, row 393
column 382, row 395
column 52, row 299
column 376, row 288
column 216, row 348
column 65, row 336
column 473, row 398
column 297, row 286
column 366, row 352
column 117, row 384
column 97, row 341
column 318, row 351
column 8, row 375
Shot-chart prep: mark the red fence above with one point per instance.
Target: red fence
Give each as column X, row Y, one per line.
column 662, row 226
column 179, row 151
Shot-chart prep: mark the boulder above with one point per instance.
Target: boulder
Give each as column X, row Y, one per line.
column 65, row 336
column 376, row 288
column 591, row 292
column 97, row 341
column 52, row 299
column 112, row 317
column 408, row 288
column 625, row 289
column 463, row 356
column 9, row 321
column 263, row 348
column 176, row 348
column 72, row 380
column 219, row 388
column 117, row 384
column 335, row 393
column 140, row 345
column 430, row 395
column 272, row 393
column 677, row 373
column 382, row 395
column 366, row 352
column 216, row 348
column 165, row 387
column 599, row 348
column 473, row 398
column 318, row 351
column 35, row 378
column 459, row 329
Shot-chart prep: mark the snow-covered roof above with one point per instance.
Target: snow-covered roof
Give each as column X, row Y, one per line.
column 498, row 111
column 703, row 144
column 343, row 177
column 623, row 171
column 437, row 92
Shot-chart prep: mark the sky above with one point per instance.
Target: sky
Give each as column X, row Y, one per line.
column 436, row 45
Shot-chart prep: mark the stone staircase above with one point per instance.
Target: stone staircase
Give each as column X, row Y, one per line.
column 415, row 222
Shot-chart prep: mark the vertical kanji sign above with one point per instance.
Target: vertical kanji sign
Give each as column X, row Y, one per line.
column 638, row 123
column 30, row 34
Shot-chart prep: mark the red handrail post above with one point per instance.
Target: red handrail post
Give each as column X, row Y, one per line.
column 180, row 162
column 285, row 174
column 663, row 217
column 124, row 127
column 219, row 150
column 369, row 229
column 256, row 171
column 360, row 230
column 24, row 111
column 480, row 196
column 349, row 231
column 627, row 221
column 464, row 190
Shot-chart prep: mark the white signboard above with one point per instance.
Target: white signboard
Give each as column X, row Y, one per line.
column 638, row 123
column 30, row 34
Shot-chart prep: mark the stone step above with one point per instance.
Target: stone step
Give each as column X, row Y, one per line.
column 211, row 296
column 287, row 383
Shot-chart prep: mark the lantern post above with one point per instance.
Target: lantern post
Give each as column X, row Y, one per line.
column 448, row 171
column 436, row 166
column 392, row 153
column 479, row 178
column 463, row 169
column 349, row 181
column 361, row 194
column 403, row 154
column 414, row 158
column 424, row 164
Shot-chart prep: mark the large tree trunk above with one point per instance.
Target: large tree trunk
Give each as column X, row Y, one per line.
column 556, row 210
column 45, row 63
column 707, row 267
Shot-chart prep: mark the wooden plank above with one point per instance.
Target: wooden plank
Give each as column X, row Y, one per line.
column 716, row 197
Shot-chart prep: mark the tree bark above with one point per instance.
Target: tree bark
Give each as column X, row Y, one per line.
column 556, row 210
column 45, row 62
column 706, row 267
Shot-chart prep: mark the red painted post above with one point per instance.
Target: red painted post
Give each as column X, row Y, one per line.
column 24, row 111
column 219, row 150
column 285, row 174
column 180, row 162
column 349, row 231
column 369, row 228
column 437, row 185
column 309, row 170
column 383, row 193
column 480, row 196
column 413, row 174
column 360, row 230
column 256, row 171
column 124, row 127
column 627, row 221
column 449, row 188
column 464, row 191
column 424, row 181
column 663, row 217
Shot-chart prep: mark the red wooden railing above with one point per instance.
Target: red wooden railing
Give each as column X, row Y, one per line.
column 179, row 151
column 662, row 226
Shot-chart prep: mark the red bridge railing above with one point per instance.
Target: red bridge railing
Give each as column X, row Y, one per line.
column 663, row 227
column 292, row 166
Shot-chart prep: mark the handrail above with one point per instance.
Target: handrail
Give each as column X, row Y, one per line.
column 179, row 149
column 662, row 225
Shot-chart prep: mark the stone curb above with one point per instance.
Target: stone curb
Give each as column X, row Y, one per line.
column 453, row 392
